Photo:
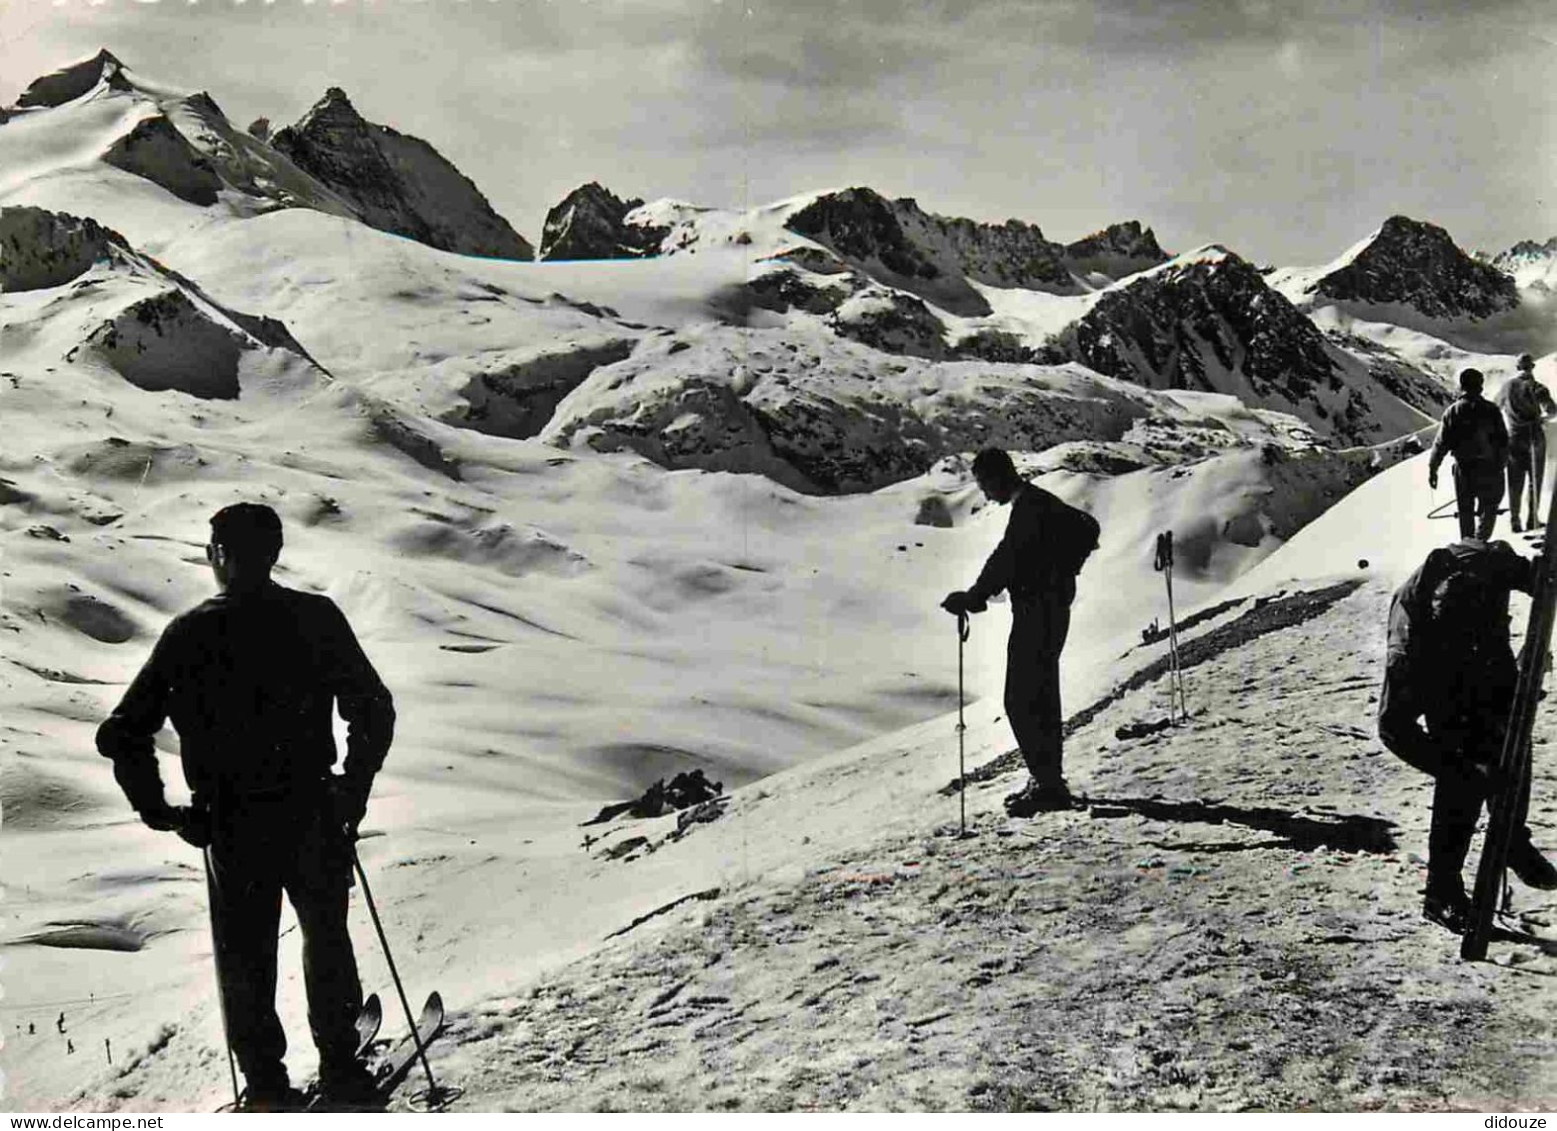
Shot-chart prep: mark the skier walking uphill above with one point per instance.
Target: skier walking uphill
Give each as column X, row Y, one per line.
column 1472, row 432
column 1525, row 404
column 249, row 679
column 1449, row 663
column 1045, row 544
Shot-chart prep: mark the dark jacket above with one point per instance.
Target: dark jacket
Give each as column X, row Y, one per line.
column 1459, row 677
column 1472, row 432
column 1045, row 542
column 250, row 682
column 1525, row 404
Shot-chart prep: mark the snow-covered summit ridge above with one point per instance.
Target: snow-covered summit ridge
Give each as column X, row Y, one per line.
column 1531, row 264
column 1414, row 264
column 892, row 242
column 332, row 160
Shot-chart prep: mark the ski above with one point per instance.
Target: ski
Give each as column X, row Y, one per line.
column 1513, row 759
column 369, row 1019
column 397, row 1063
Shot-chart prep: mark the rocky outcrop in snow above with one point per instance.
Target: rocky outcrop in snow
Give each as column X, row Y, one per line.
column 396, row 183
column 1117, row 251
column 518, row 400
column 591, row 223
column 1530, row 263
column 1208, row 321
column 155, row 328
column 68, row 83
column 1416, row 264
column 896, row 243
column 47, row 249
column 846, row 418
column 154, row 149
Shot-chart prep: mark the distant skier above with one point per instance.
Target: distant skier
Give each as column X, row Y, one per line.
column 1526, row 404
column 1045, row 544
column 1472, row 432
column 1449, row 664
column 250, row 679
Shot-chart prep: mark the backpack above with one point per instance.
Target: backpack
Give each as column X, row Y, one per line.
column 1460, row 620
column 1075, row 537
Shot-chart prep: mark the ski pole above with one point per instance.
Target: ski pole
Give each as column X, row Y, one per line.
column 963, row 629
column 416, row 1038
column 216, row 960
column 1164, row 563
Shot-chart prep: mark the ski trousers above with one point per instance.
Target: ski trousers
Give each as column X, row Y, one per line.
column 1526, row 458
column 262, row 846
column 1448, row 748
column 1039, row 625
column 1458, row 795
column 1478, row 489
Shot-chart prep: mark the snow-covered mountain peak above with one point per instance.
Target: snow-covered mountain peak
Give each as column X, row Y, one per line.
column 69, row 82
column 1416, row 264
column 1531, row 264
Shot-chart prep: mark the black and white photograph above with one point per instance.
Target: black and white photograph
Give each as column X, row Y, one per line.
column 750, row 556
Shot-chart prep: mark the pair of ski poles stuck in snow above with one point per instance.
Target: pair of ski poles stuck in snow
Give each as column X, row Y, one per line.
column 433, row 1091
column 1178, row 702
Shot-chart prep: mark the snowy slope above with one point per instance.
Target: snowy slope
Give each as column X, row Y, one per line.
column 562, row 624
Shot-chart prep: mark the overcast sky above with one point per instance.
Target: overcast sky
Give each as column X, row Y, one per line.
column 1284, row 129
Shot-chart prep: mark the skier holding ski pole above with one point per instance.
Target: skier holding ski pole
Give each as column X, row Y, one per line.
column 1045, row 544
column 1526, row 405
column 250, row 680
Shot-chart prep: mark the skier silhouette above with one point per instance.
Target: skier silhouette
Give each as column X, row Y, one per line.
column 1473, row 432
column 1045, row 544
column 1526, row 404
column 251, row 679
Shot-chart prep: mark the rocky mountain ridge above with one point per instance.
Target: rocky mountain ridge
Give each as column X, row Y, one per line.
column 1417, row 264
column 397, row 183
column 1209, row 321
column 331, row 160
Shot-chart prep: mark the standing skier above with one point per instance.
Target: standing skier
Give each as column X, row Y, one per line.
column 1526, row 403
column 1449, row 664
column 249, row 679
column 1045, row 544
column 1472, row 432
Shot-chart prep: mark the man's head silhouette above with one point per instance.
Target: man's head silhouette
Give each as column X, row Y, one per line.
column 996, row 474
column 245, row 543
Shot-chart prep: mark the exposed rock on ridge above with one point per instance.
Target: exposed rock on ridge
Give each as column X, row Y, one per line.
column 68, row 83
column 1418, row 265
column 41, row 249
column 154, row 149
column 1209, row 322
column 397, row 183
column 590, row 223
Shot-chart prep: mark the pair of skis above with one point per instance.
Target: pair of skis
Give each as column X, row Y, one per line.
column 391, row 1068
column 1514, row 759
column 396, row 1063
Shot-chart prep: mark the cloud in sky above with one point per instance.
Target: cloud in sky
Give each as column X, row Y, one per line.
column 1286, row 129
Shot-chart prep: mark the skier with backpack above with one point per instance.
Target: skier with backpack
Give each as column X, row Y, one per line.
column 1472, row 431
column 1450, row 666
column 1526, row 404
column 1045, row 544
column 251, row 679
